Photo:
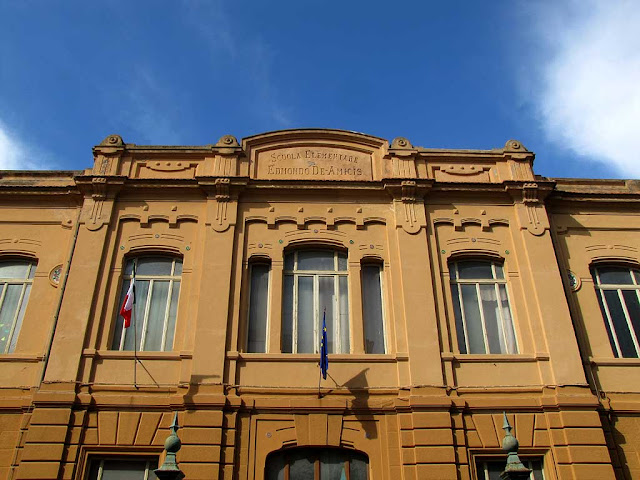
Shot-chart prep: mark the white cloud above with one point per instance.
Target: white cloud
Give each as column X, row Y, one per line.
column 589, row 94
column 16, row 155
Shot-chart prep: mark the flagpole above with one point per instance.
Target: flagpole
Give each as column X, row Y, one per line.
column 133, row 321
column 321, row 352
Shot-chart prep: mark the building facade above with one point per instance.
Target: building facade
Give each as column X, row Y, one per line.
column 455, row 285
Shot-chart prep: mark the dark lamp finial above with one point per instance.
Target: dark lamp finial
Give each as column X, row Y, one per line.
column 169, row 469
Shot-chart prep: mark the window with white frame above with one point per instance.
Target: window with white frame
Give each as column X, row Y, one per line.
column 258, row 307
column 315, row 286
column 490, row 469
column 372, row 308
column 157, row 288
column 16, row 277
column 481, row 306
column 618, row 290
column 122, row 469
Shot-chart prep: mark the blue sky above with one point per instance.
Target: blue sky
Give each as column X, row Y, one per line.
column 561, row 77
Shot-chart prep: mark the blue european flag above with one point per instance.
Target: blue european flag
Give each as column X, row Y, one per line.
column 324, row 354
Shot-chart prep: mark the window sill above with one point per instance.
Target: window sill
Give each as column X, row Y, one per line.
column 614, row 362
column 20, row 357
column 129, row 355
column 306, row 357
column 493, row 358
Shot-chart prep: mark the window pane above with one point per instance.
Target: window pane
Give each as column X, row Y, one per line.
column 615, row 276
column 343, row 288
column 14, row 269
column 458, row 316
column 177, row 270
column 126, row 470
column 614, row 349
column 301, row 467
column 157, row 313
column 620, row 324
column 326, row 303
column 332, row 465
column 275, row 467
column 499, row 271
column 137, row 318
column 472, row 318
column 358, row 468
column 491, row 316
column 287, row 314
column 289, row 261
column 633, row 307
column 636, row 274
column 508, row 321
column 8, row 313
column 306, row 340
column 342, row 262
column 117, row 334
column 316, row 260
column 473, row 269
column 495, row 469
column 258, row 303
column 154, row 266
column 173, row 312
column 372, row 309
column 16, row 329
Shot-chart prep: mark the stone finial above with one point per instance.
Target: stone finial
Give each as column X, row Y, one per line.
column 112, row 141
column 514, row 470
column 401, row 142
column 514, row 146
column 169, row 469
column 227, row 141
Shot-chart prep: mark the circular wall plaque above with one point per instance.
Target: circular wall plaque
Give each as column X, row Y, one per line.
column 574, row 281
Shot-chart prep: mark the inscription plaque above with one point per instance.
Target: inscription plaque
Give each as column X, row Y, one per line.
column 314, row 163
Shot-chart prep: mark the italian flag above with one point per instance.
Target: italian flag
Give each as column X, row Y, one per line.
column 127, row 305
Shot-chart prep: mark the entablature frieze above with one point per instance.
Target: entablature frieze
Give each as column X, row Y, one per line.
column 320, row 155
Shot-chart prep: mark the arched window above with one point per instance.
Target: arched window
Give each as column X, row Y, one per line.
column 315, row 288
column 317, row 464
column 16, row 277
column 481, row 307
column 258, row 306
column 157, row 288
column 618, row 293
column 372, row 309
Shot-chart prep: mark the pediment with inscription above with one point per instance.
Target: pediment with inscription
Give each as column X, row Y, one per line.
column 315, row 155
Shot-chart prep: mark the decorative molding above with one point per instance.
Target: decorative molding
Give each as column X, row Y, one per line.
column 222, row 208
column 99, row 194
column 408, row 201
column 529, row 198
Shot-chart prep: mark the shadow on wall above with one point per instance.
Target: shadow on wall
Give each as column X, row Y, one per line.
column 623, row 447
column 358, row 386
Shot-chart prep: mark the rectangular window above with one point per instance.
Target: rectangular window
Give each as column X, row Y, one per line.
column 481, row 307
column 315, row 287
column 618, row 292
column 123, row 469
column 16, row 278
column 153, row 320
column 491, row 469
column 258, row 308
column 372, row 309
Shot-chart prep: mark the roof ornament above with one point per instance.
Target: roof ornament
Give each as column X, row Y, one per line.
column 113, row 140
column 401, row 142
column 169, row 469
column 514, row 470
column 227, row 141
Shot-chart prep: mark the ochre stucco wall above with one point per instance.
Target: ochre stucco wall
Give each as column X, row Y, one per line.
column 420, row 410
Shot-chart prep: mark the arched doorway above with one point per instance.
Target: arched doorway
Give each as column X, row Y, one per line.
column 317, row 464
